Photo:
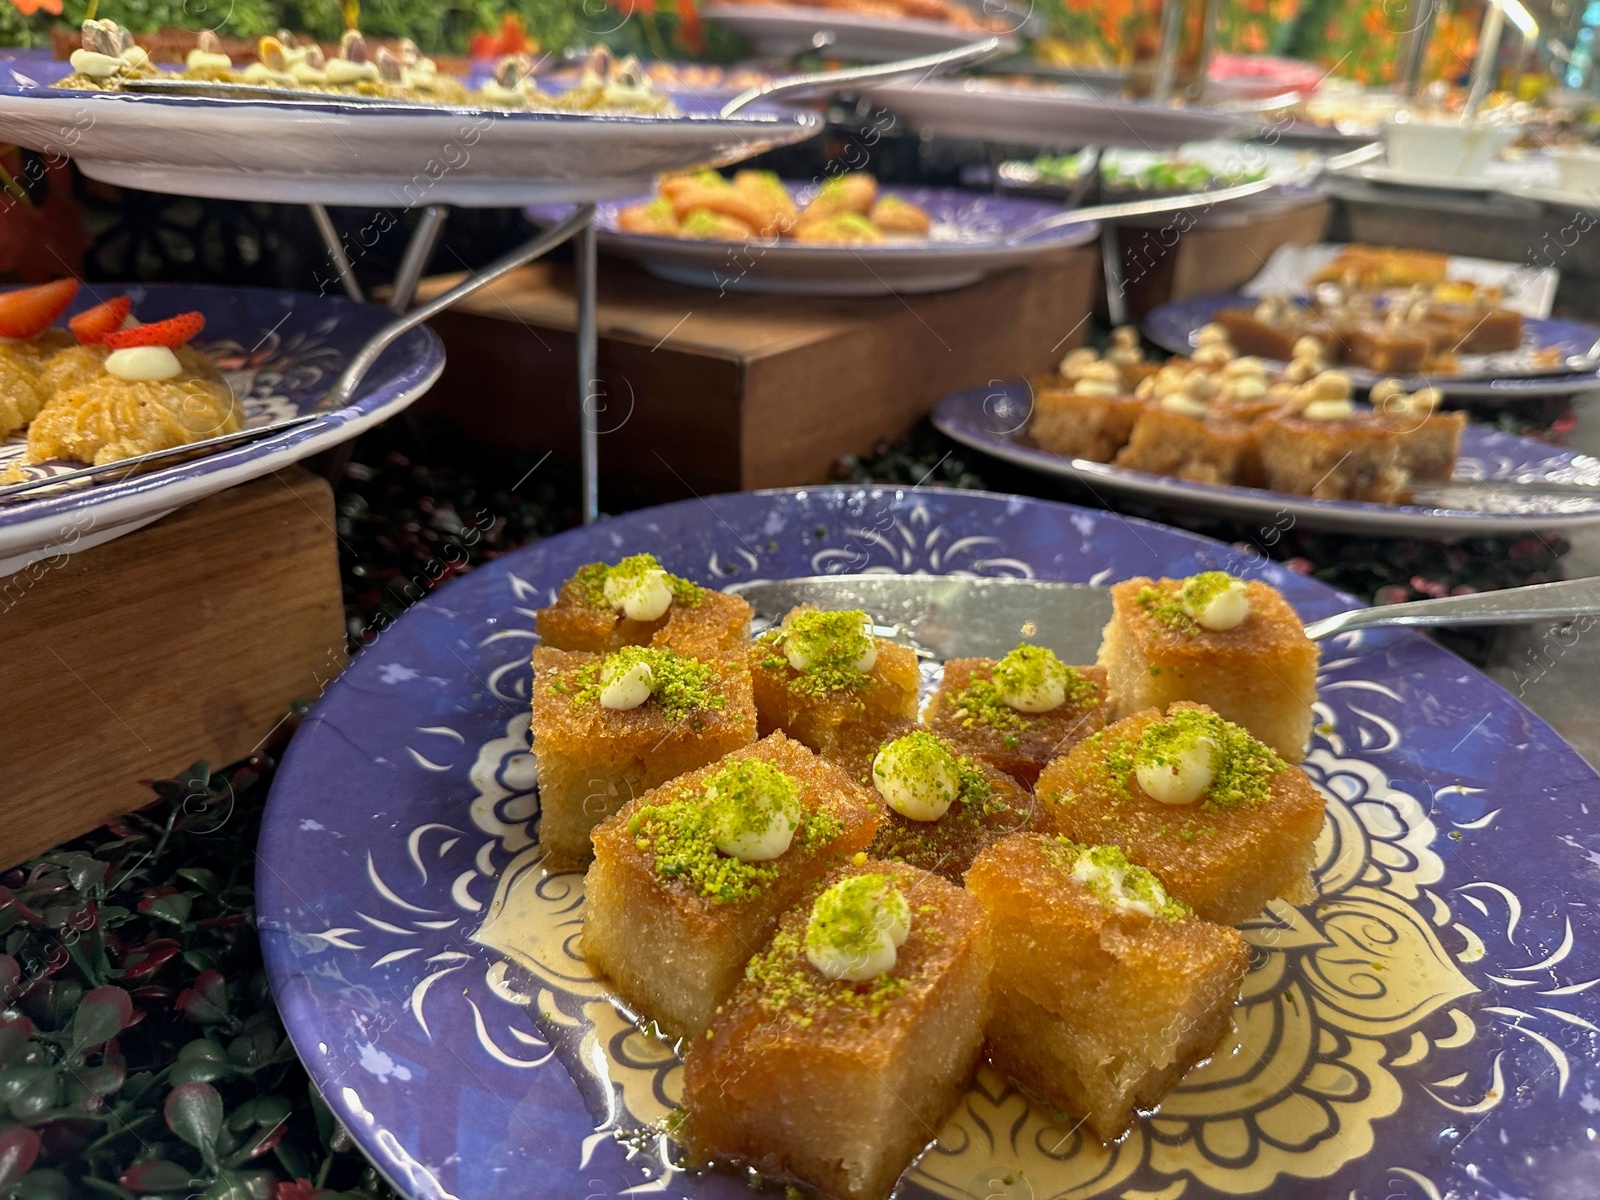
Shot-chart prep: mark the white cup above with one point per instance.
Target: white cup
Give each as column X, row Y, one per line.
column 1444, row 147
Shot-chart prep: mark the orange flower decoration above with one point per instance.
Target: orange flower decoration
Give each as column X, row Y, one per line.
column 28, row 7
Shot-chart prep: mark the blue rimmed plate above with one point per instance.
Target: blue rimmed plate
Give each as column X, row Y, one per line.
column 973, row 235
column 995, row 420
column 1556, row 357
column 336, row 151
column 1429, row 1027
column 281, row 352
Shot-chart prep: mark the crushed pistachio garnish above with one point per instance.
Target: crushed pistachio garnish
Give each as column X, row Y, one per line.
column 680, row 685
column 830, row 651
column 856, row 927
column 1032, row 679
column 1164, row 606
column 1114, row 881
column 591, row 581
column 1241, row 767
column 789, row 985
column 917, row 775
column 1025, row 669
column 978, row 806
column 682, row 833
column 753, row 809
column 1216, row 600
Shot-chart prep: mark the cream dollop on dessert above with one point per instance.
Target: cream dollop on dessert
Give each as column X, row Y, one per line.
column 1123, row 887
column 628, row 677
column 752, row 810
column 1195, row 755
column 1216, row 600
column 625, row 684
column 638, row 588
column 1181, row 775
column 138, row 364
column 857, row 927
column 917, row 776
column 1031, row 679
column 94, row 65
column 825, row 640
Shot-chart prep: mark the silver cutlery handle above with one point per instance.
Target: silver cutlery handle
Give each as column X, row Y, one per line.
column 1144, row 208
column 1510, row 606
column 833, row 80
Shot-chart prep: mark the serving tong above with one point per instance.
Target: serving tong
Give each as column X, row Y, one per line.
column 959, row 616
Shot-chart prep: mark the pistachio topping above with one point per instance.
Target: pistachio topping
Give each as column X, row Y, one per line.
column 917, row 776
column 833, row 651
column 1216, row 600
column 1114, row 881
column 790, row 986
column 1194, row 742
column 1031, row 679
column 685, row 833
column 753, row 810
column 634, row 585
column 680, row 685
column 856, row 927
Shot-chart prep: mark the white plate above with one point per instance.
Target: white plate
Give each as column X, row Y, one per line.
column 970, row 239
column 1053, row 115
column 377, row 153
column 1390, row 177
column 782, row 30
column 1556, row 197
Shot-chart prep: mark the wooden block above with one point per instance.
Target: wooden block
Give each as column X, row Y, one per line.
column 702, row 393
column 184, row 640
column 1220, row 252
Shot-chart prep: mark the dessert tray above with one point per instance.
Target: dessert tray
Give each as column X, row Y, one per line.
column 788, row 29
column 994, row 419
column 1425, row 1029
column 972, row 236
column 281, row 352
column 356, row 151
column 1054, row 115
column 1526, row 371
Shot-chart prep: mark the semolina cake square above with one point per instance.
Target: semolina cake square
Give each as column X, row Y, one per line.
column 1163, row 644
column 1223, row 821
column 1074, row 425
column 671, row 917
column 1204, row 449
column 943, row 807
column 1430, row 443
column 593, row 759
column 592, row 611
column 848, row 685
column 858, row 744
column 1106, row 991
column 969, row 710
column 1353, row 459
column 841, row 1082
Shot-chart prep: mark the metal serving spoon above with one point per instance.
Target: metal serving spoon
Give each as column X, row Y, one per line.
column 958, row 617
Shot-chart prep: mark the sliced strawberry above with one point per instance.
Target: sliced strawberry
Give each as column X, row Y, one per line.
column 91, row 326
column 27, row 311
column 172, row 333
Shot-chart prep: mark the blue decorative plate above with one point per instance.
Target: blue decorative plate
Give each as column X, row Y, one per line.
column 1515, row 374
column 995, row 420
column 388, row 154
column 973, row 234
column 1427, row 1028
column 281, row 352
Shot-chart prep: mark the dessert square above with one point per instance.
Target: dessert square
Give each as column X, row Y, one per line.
column 1353, row 458
column 637, row 603
column 1430, row 444
column 839, row 1079
column 943, row 807
column 690, row 879
column 1188, row 445
column 607, row 728
column 1105, row 990
column 1234, row 645
column 1092, row 426
column 1223, row 821
column 823, row 679
column 971, row 712
column 1399, row 349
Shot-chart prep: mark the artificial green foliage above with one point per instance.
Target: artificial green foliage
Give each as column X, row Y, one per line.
column 140, row 1051
column 230, row 18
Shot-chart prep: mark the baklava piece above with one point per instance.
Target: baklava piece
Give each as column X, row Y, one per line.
column 607, row 728
column 1223, row 821
column 637, row 603
column 826, row 681
column 1018, row 712
column 1106, row 990
column 1331, row 450
column 943, row 806
column 1234, row 645
column 691, row 878
column 851, row 1038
